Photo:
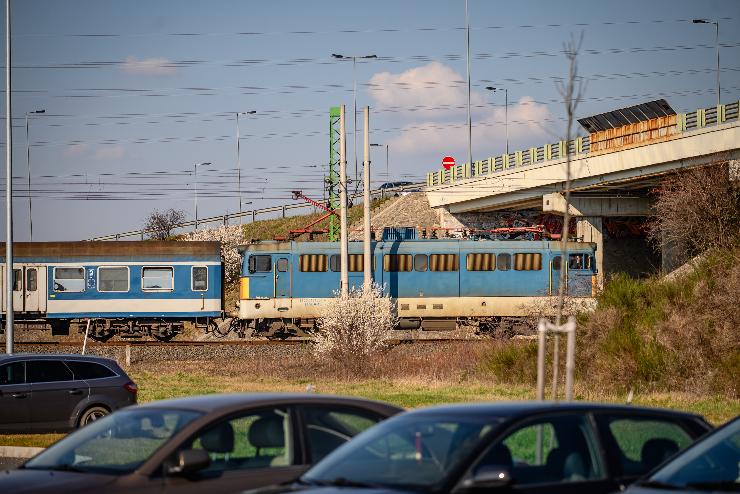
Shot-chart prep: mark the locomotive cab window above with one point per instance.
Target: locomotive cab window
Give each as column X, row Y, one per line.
column 421, row 262
column 199, row 280
column 579, row 261
column 260, row 264
column 157, row 278
column 69, row 279
column 557, row 262
column 113, row 279
column 309, row 263
column 282, row 265
column 397, row 262
column 443, row 262
column 484, row 261
column 530, row 261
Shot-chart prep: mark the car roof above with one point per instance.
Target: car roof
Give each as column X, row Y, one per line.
column 47, row 356
column 224, row 401
column 515, row 409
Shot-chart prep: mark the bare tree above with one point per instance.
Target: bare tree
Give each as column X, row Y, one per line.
column 159, row 224
column 697, row 210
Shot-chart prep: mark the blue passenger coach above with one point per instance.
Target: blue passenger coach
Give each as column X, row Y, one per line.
column 284, row 285
column 108, row 288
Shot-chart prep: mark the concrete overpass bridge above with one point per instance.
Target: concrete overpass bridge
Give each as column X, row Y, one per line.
column 612, row 169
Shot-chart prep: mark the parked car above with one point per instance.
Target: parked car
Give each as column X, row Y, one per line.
column 55, row 393
column 709, row 465
column 215, row 443
column 517, row 447
column 394, row 185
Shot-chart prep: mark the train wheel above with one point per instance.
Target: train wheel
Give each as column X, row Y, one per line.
column 163, row 336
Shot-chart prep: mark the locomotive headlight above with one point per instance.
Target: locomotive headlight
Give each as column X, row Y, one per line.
column 244, row 288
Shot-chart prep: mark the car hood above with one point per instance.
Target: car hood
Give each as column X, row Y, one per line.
column 312, row 489
column 47, row 481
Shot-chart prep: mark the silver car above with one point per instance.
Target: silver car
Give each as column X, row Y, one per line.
column 55, row 393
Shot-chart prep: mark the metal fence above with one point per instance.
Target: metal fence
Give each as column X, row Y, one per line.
column 279, row 211
column 703, row 117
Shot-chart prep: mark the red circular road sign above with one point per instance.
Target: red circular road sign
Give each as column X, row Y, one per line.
column 448, row 162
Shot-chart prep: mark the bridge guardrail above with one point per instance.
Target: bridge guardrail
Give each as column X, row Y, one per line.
column 702, row 117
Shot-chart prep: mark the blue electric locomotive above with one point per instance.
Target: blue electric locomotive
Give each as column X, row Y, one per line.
column 435, row 283
column 108, row 288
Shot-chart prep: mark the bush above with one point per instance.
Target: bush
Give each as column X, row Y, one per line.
column 355, row 328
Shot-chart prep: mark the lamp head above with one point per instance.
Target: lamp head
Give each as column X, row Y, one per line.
column 490, row 88
column 336, row 55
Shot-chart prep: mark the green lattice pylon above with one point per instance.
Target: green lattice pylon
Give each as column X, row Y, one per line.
column 332, row 181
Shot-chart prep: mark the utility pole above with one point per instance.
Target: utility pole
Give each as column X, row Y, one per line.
column 28, row 162
column 8, row 193
column 343, row 239
column 470, row 121
column 238, row 159
column 368, row 279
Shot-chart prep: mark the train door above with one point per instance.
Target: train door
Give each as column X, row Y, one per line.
column 282, row 280
column 580, row 274
column 29, row 288
column 555, row 267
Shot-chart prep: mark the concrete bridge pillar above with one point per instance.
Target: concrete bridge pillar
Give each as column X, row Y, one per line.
column 590, row 229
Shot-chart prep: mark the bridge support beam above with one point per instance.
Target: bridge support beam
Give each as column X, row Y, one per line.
column 596, row 206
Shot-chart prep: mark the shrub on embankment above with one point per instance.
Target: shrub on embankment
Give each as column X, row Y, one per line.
column 652, row 335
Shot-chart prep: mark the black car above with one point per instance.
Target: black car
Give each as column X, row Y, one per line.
column 709, row 465
column 214, row 443
column 55, row 393
column 517, row 447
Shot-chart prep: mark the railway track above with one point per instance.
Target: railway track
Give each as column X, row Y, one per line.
column 211, row 343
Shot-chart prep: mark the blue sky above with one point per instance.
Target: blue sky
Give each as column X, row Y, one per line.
column 137, row 92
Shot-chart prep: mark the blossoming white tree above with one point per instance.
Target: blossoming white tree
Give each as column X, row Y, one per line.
column 356, row 327
column 230, row 238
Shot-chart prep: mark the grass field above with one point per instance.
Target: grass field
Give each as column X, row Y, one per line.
column 159, row 381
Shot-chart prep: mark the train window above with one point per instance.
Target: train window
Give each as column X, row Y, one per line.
column 356, row 263
column 397, row 262
column 17, row 280
column 443, row 262
column 530, row 261
column 557, row 262
column 503, row 262
column 421, row 262
column 199, row 277
column 579, row 261
column 113, row 279
column 69, row 279
column 31, row 279
column 282, row 265
column 484, row 261
column 260, row 264
column 311, row 263
column 157, row 278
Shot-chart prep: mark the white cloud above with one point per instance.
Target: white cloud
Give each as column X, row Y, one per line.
column 148, row 66
column 108, row 153
column 526, row 122
column 432, row 85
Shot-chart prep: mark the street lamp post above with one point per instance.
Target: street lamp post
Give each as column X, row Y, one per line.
column 195, row 176
column 506, row 112
column 387, row 173
column 238, row 159
column 716, row 42
column 354, row 95
column 28, row 163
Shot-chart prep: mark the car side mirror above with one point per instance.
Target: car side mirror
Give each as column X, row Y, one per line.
column 189, row 461
column 489, row 476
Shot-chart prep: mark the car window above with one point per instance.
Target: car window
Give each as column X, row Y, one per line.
column 551, row 450
column 259, row 439
column 641, row 443
column 89, row 370
column 12, row 373
column 329, row 428
column 44, row 371
column 118, row 443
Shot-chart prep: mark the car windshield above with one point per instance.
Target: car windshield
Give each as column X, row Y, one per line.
column 412, row 452
column 711, row 464
column 117, row 444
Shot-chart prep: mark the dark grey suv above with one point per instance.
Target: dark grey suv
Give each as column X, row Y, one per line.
column 51, row 393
